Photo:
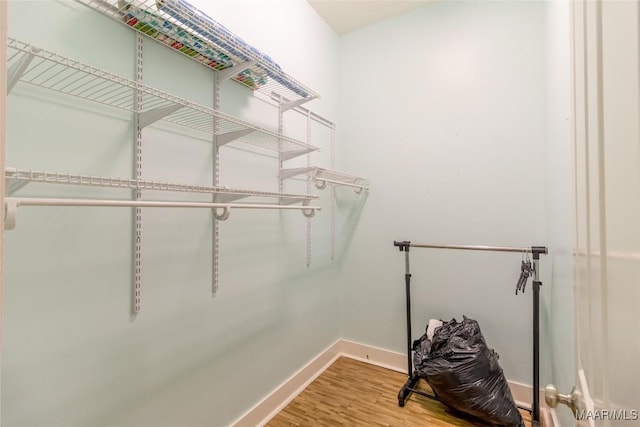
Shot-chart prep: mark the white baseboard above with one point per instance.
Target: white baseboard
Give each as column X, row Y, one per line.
column 374, row 355
column 273, row 403
column 268, row 407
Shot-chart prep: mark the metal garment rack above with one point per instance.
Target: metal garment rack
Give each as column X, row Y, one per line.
column 536, row 251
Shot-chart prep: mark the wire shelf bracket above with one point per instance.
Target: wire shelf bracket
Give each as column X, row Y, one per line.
column 295, row 104
column 228, row 137
column 18, row 69
column 149, row 117
column 236, row 69
column 292, row 154
column 13, row 185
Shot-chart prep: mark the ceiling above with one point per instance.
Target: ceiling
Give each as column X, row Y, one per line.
column 349, row 15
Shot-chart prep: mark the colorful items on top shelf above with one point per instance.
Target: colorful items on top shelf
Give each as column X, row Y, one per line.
column 186, row 42
column 200, row 22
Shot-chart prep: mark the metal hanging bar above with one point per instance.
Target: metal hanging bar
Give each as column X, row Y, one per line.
column 12, row 204
column 36, row 201
column 321, row 183
column 530, row 250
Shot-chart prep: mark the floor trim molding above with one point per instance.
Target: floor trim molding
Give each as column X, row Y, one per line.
column 282, row 395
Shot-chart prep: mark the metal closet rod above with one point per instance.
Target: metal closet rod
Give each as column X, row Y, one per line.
column 322, row 181
column 531, row 250
column 12, row 204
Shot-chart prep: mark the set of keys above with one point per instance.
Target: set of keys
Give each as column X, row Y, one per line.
column 527, row 268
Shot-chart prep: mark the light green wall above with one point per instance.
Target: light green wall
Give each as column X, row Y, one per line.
column 72, row 354
column 446, row 114
column 558, row 302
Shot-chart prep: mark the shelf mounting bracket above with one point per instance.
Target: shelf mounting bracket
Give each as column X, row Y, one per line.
column 13, row 184
column 290, row 173
column 288, row 155
column 293, row 104
column 227, row 73
column 227, row 198
column 17, row 70
column 148, row 117
column 225, row 138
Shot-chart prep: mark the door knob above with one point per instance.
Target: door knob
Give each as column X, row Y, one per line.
column 552, row 397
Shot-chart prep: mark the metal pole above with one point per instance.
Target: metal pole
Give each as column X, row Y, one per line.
column 348, row 184
column 407, row 293
column 33, row 201
column 536, row 342
column 533, row 249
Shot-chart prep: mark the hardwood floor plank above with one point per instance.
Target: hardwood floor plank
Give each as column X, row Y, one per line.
column 353, row 393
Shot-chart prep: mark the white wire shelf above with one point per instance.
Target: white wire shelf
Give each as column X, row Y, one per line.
column 18, row 178
column 37, row 67
column 323, row 176
column 185, row 29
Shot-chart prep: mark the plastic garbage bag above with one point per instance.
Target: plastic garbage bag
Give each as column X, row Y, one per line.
column 464, row 373
column 422, row 346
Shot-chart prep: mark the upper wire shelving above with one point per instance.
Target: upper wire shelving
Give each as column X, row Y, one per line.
column 182, row 27
column 38, row 67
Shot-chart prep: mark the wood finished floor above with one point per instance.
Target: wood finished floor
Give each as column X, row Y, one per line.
column 353, row 393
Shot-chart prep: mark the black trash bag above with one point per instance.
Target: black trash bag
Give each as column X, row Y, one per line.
column 421, row 350
column 465, row 374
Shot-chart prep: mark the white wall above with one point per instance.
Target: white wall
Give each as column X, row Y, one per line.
column 72, row 355
column 444, row 110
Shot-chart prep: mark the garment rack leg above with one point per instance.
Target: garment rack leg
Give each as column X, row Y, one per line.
column 406, row 389
column 535, row 407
